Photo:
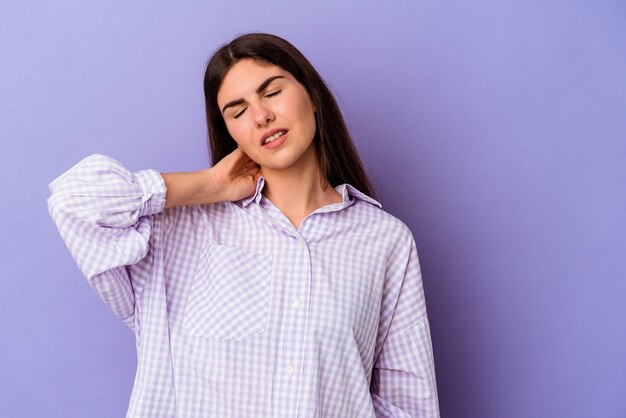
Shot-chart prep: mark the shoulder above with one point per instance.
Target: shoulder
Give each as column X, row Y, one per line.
column 192, row 225
column 199, row 216
column 376, row 224
column 373, row 213
column 380, row 226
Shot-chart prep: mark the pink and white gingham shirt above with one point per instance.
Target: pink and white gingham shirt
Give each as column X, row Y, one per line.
column 239, row 314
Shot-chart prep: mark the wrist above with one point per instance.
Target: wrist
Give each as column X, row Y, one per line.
column 213, row 190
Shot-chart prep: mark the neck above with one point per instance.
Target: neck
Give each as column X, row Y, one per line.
column 299, row 189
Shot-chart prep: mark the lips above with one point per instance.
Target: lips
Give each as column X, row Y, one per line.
column 272, row 135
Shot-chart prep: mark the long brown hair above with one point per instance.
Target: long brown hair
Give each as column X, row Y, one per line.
column 337, row 157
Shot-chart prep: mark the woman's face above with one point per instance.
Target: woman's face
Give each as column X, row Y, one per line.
column 269, row 114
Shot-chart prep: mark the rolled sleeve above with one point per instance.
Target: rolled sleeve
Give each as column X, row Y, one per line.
column 103, row 213
column 153, row 189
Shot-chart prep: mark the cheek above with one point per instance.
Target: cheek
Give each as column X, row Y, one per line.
column 308, row 118
column 235, row 132
column 300, row 109
column 245, row 140
column 304, row 104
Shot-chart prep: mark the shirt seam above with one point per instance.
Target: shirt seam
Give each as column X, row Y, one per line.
column 407, row 328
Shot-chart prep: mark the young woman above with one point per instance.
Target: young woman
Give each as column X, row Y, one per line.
column 269, row 285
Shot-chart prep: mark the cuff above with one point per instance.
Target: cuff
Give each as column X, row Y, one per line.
column 152, row 186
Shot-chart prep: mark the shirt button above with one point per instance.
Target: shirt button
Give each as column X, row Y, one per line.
column 290, row 369
column 302, row 244
column 296, row 303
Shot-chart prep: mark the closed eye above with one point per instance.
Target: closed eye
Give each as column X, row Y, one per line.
column 272, row 94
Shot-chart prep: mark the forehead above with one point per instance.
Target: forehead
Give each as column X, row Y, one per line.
column 244, row 78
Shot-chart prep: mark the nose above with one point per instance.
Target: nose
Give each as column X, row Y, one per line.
column 262, row 114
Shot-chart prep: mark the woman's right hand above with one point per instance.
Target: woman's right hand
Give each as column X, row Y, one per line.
column 232, row 178
column 237, row 175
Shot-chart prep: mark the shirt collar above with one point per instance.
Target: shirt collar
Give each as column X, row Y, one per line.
column 347, row 192
column 256, row 197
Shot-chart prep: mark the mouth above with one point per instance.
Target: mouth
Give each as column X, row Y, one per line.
column 272, row 136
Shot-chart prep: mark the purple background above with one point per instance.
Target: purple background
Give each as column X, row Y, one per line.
column 496, row 131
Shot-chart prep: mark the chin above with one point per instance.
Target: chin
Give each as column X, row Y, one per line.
column 276, row 165
column 286, row 158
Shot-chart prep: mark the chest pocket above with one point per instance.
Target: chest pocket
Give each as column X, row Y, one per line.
column 229, row 295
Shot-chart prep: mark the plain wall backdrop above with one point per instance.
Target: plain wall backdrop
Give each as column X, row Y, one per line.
column 496, row 130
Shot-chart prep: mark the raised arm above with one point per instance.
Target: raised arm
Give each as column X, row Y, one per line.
column 233, row 178
column 105, row 214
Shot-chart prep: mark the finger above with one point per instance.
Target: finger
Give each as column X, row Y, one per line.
column 249, row 163
column 243, row 153
column 252, row 164
column 258, row 174
column 235, row 155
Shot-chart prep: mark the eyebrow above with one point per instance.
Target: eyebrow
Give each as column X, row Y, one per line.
column 259, row 89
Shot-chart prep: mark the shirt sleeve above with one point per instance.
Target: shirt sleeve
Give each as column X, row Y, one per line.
column 104, row 214
column 403, row 378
